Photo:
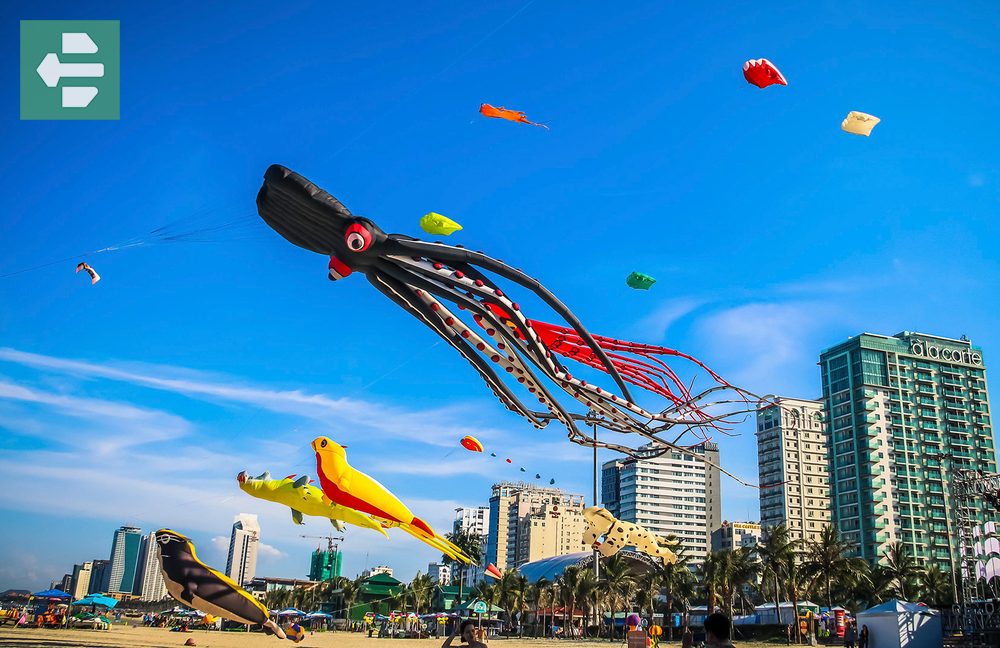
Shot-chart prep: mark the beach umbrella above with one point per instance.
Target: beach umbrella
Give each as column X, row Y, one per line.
column 319, row 615
column 52, row 594
column 97, row 599
column 291, row 612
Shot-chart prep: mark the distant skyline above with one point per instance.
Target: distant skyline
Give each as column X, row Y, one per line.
column 772, row 235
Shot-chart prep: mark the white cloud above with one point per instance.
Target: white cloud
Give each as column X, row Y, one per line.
column 440, row 426
column 102, row 426
column 656, row 325
column 768, row 346
column 269, row 551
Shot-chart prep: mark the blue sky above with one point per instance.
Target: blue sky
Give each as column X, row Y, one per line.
column 772, row 235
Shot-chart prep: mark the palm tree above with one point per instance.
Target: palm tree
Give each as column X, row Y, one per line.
column 522, row 590
column 619, row 585
column 349, row 591
column 546, row 598
column 420, row 592
column 568, row 583
column 648, row 590
column 827, row 563
column 712, row 575
column 742, row 569
column 903, row 569
column 587, row 587
column 678, row 579
column 935, row 587
column 472, row 545
column 777, row 555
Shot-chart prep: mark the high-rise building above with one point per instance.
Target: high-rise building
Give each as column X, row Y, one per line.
column 734, row 535
column 325, row 565
column 124, row 559
column 376, row 570
column 792, row 460
column 80, row 583
column 528, row 522
column 149, row 585
column 241, row 565
column 472, row 519
column 100, row 577
column 905, row 414
column 439, row 573
column 65, row 583
column 673, row 494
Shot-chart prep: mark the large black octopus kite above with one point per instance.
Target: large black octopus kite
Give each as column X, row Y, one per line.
column 418, row 276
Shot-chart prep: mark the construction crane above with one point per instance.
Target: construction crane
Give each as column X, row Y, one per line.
column 331, row 541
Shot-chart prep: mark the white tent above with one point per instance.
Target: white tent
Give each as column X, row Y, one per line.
column 766, row 614
column 898, row 624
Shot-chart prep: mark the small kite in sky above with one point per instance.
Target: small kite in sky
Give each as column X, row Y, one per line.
column 471, row 444
column 762, row 73
column 510, row 115
column 859, row 123
column 435, row 223
column 639, row 281
column 94, row 277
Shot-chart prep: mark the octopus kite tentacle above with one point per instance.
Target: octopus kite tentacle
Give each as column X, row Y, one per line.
column 422, row 277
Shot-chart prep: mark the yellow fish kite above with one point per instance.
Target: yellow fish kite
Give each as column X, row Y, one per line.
column 348, row 487
column 304, row 499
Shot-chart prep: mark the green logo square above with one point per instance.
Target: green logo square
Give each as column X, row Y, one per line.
column 70, row 69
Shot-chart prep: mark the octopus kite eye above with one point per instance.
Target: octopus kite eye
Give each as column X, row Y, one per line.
column 322, row 443
column 358, row 238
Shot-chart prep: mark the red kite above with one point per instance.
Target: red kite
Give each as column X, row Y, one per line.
column 762, row 73
column 510, row 115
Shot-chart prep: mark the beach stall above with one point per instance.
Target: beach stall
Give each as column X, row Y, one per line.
column 900, row 624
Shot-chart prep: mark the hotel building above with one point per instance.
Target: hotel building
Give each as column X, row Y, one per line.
column 673, row 494
column 906, row 413
column 241, row 565
column 528, row 523
column 793, row 463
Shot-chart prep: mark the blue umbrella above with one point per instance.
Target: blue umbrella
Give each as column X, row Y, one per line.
column 97, row 599
column 52, row 594
column 291, row 612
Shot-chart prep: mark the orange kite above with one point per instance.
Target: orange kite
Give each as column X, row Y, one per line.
column 510, row 115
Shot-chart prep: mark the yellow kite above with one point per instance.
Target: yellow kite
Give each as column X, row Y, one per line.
column 435, row 223
column 350, row 487
column 859, row 123
column 304, row 499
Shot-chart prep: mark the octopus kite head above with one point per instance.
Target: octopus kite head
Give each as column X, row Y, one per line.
column 310, row 218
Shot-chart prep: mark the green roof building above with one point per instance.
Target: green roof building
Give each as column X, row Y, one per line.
column 905, row 413
column 372, row 595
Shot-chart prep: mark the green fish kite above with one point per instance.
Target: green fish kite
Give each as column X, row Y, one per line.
column 434, row 223
column 304, row 499
column 640, row 281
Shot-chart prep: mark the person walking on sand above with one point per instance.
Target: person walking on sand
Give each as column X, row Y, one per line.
column 470, row 636
column 863, row 637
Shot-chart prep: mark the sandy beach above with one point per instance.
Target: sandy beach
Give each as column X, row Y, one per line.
column 162, row 638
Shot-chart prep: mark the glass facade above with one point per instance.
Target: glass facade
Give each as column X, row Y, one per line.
column 124, row 559
column 905, row 414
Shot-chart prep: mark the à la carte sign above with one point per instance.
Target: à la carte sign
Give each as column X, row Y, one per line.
column 948, row 354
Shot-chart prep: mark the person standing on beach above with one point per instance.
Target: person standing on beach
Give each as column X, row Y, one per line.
column 469, row 633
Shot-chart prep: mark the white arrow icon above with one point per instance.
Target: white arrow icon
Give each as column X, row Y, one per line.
column 51, row 69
